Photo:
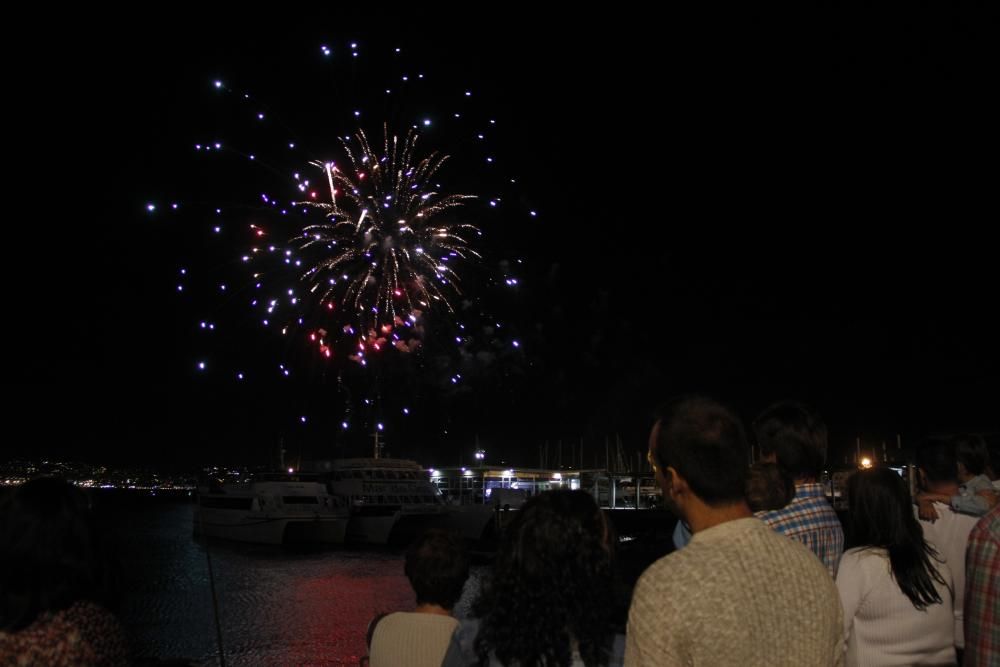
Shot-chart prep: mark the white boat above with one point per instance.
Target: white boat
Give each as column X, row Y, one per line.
column 390, row 500
column 271, row 509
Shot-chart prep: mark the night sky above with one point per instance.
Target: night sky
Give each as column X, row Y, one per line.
column 751, row 209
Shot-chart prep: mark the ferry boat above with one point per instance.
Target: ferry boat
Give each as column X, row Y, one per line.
column 270, row 508
column 390, row 500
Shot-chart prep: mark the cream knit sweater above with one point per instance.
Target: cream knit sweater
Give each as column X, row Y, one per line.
column 738, row 594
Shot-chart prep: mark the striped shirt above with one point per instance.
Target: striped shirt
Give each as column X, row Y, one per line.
column 810, row 520
column 982, row 593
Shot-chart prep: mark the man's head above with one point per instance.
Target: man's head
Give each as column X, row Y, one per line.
column 437, row 565
column 698, row 448
column 936, row 461
column 793, row 435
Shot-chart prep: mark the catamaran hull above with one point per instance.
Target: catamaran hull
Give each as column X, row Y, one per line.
column 258, row 529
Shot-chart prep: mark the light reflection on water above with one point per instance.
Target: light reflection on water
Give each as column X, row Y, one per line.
column 277, row 606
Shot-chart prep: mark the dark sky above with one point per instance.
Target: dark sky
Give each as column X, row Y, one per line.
column 749, row 208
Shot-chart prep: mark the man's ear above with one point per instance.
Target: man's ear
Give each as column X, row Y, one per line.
column 676, row 483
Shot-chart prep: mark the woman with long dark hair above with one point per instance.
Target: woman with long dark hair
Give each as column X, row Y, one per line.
column 550, row 599
column 896, row 591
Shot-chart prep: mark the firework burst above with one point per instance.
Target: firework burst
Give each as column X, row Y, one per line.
column 366, row 256
column 390, row 245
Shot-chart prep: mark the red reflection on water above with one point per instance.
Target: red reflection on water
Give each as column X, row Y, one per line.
column 333, row 612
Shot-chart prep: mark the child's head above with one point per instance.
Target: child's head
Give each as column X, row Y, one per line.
column 972, row 455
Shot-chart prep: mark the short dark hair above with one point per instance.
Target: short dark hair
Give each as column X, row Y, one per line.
column 971, row 451
column 936, row 457
column 705, row 443
column 796, row 435
column 437, row 565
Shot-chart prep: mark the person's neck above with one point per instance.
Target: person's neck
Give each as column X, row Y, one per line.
column 702, row 516
column 799, row 481
column 966, row 477
column 943, row 488
column 427, row 608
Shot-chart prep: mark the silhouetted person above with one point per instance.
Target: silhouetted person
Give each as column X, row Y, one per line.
column 975, row 494
column 739, row 593
column 982, row 593
column 437, row 566
column 550, row 599
column 794, row 436
column 949, row 532
column 55, row 581
column 896, row 591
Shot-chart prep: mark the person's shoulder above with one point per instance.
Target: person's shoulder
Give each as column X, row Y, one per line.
column 865, row 558
column 988, row 527
column 862, row 566
column 390, row 619
column 666, row 570
column 864, row 553
column 791, row 551
column 413, row 618
column 805, row 513
column 773, row 516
